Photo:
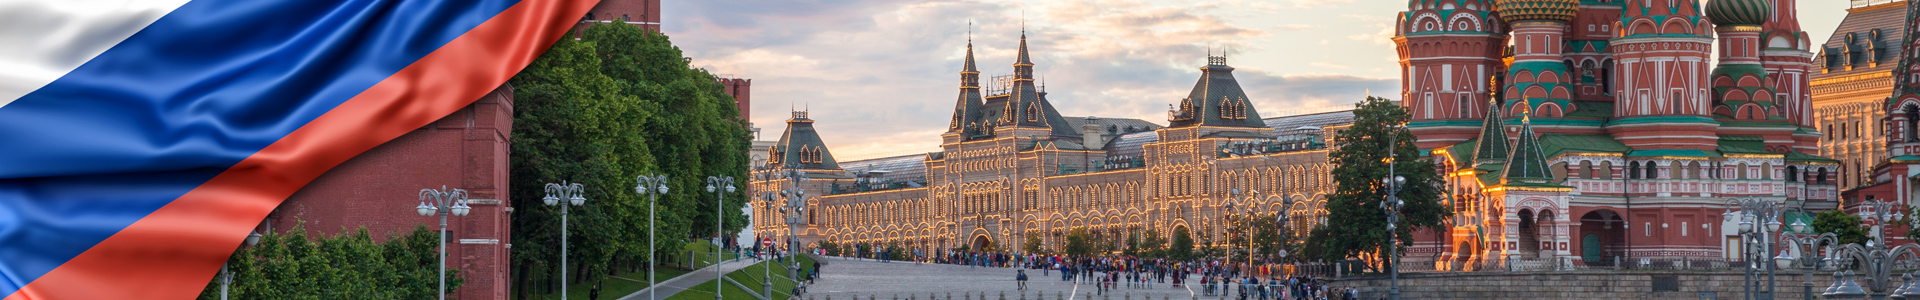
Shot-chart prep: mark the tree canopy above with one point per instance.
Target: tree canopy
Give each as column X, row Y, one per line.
column 350, row 265
column 1843, row 225
column 1360, row 160
column 615, row 104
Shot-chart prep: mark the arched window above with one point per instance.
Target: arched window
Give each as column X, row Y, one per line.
column 1633, row 170
column 1740, row 173
column 1793, row 174
column 1913, row 119
column 1653, row 171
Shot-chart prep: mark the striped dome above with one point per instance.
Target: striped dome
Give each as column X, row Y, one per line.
column 1537, row 10
column 1739, row 12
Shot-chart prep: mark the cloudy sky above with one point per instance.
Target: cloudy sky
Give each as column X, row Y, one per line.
column 880, row 76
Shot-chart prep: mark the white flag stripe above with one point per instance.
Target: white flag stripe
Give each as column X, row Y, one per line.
column 42, row 40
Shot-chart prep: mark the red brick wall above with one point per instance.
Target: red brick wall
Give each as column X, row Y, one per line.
column 742, row 91
column 379, row 189
column 643, row 13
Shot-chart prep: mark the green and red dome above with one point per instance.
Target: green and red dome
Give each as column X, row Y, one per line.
column 1537, row 10
column 1739, row 12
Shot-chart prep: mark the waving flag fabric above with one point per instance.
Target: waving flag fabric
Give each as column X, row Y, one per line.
column 142, row 140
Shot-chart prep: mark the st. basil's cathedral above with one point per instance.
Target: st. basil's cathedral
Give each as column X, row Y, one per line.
column 1579, row 132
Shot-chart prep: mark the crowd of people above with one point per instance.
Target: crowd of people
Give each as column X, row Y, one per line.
column 1108, row 273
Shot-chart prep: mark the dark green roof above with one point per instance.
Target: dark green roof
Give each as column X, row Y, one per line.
column 1673, row 152
column 1462, row 153
column 1489, row 174
column 1743, row 144
column 1554, row 144
column 1217, row 100
column 1491, row 147
column 800, row 142
column 1527, row 166
column 1803, row 157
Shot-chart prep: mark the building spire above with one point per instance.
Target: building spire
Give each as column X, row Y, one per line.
column 967, row 109
column 1492, row 147
column 1024, row 60
column 1528, row 164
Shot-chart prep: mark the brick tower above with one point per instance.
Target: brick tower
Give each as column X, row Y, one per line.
column 1662, row 95
column 643, row 13
column 1450, row 51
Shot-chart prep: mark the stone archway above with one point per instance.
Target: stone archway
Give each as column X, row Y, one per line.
column 1602, row 236
column 981, row 243
column 1529, row 244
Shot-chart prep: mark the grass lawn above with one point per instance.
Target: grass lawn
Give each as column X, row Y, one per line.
column 616, row 287
column 751, row 277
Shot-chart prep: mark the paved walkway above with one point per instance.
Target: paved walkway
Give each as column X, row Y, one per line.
column 849, row 278
column 687, row 281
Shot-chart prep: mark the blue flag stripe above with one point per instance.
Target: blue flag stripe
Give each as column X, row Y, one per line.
column 192, row 94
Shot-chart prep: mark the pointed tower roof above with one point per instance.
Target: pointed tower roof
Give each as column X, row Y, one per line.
column 1027, row 106
column 1023, row 60
column 1492, row 147
column 967, row 109
column 1528, row 164
column 801, row 148
column 1216, row 100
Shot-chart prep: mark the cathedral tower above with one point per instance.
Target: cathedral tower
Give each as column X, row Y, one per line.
column 1026, row 109
column 1537, row 78
column 1449, row 51
column 1787, row 55
column 966, row 110
column 1903, row 109
column 1661, row 89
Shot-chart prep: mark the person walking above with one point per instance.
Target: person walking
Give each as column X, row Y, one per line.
column 1021, row 277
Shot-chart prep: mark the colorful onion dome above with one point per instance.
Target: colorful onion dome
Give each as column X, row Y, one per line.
column 1537, row 10
column 1739, row 12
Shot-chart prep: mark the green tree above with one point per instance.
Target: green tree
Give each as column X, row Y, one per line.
column 1032, row 245
column 831, row 248
column 349, row 265
column 1131, row 247
column 1842, row 224
column 1361, row 161
column 1269, row 238
column 1181, row 246
column 1153, row 244
column 617, row 103
column 1079, row 243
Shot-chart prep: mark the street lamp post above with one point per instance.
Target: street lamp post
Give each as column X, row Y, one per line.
column 1877, row 258
column 1226, row 230
column 1809, row 245
column 574, row 194
column 653, row 186
column 226, row 276
column 1760, row 219
column 1250, row 230
column 1392, row 205
column 719, row 185
column 443, row 202
column 796, row 201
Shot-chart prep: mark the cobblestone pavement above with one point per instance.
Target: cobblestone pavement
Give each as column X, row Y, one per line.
column 847, row 278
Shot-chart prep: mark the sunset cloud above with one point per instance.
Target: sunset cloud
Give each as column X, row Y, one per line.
column 880, row 77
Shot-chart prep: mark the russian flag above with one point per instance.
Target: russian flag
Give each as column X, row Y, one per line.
column 142, row 140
